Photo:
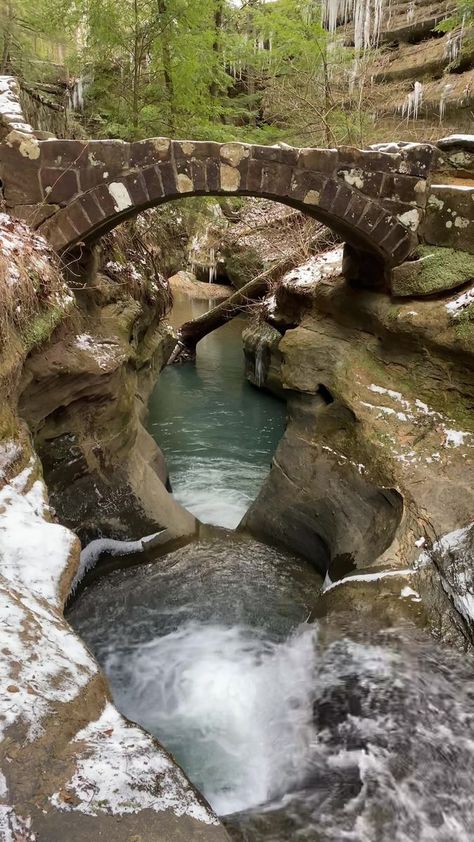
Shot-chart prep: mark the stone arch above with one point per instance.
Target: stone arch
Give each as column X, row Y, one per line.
column 107, row 189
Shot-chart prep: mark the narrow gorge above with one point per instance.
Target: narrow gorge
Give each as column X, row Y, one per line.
column 237, row 446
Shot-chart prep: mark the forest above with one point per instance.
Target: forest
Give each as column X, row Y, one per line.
column 245, row 70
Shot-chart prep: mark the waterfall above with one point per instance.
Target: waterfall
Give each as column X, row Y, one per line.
column 234, row 707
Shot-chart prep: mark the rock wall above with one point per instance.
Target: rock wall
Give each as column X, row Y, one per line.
column 377, row 463
column 84, row 398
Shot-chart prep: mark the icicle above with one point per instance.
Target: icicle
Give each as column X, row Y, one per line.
column 412, row 104
column 411, row 11
column 76, row 95
column 366, row 14
column 442, row 100
column 454, row 43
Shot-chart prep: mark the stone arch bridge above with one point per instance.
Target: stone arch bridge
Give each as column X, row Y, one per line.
column 382, row 201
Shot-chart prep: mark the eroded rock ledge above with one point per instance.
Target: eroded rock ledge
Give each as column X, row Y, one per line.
column 376, row 467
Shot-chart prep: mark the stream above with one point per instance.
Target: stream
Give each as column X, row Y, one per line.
column 294, row 732
column 218, row 433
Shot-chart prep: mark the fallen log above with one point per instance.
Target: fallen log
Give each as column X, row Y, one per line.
column 193, row 331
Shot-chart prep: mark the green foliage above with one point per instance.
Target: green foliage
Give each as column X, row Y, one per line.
column 213, row 69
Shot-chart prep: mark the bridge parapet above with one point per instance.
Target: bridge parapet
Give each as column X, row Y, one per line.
column 375, row 199
column 381, row 200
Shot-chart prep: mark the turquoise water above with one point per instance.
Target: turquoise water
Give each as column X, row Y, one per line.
column 218, row 433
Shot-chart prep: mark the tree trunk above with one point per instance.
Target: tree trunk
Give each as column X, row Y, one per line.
column 216, row 47
column 167, row 64
column 192, row 332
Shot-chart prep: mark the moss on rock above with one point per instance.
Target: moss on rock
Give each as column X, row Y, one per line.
column 435, row 270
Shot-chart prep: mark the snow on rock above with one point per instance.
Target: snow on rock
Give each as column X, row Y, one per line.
column 11, row 112
column 453, row 553
column 10, row 451
column 35, row 552
column 456, row 307
column 415, row 413
column 455, row 438
column 47, row 663
column 104, row 352
column 409, row 593
column 14, row 828
column 29, row 270
column 369, row 577
column 318, row 268
column 117, row 770
column 92, row 552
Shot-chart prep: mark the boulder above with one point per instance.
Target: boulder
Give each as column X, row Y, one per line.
column 434, row 270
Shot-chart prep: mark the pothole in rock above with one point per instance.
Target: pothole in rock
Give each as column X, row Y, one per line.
column 291, row 731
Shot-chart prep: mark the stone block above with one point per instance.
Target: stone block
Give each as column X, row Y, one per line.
column 355, row 208
column 396, row 235
column 60, row 185
column 254, row 176
column 78, row 219
column 168, row 178
column 328, row 193
column 341, row 200
column 20, row 180
column 213, row 175
column 64, row 153
column 104, row 201
column 406, row 188
column 319, row 160
column 91, row 207
column 34, row 215
column 154, row 184
column 449, row 219
column 146, row 153
column 275, row 155
column 367, row 160
column 136, row 187
column 276, row 179
column 374, row 214
column 370, row 183
column 90, row 177
column 198, row 175
column 195, row 150
column 113, row 155
column 435, row 270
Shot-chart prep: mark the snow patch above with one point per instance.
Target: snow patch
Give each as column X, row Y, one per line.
column 92, row 552
column 456, row 307
column 104, row 353
column 370, row 577
column 409, row 593
column 35, row 552
column 121, row 771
